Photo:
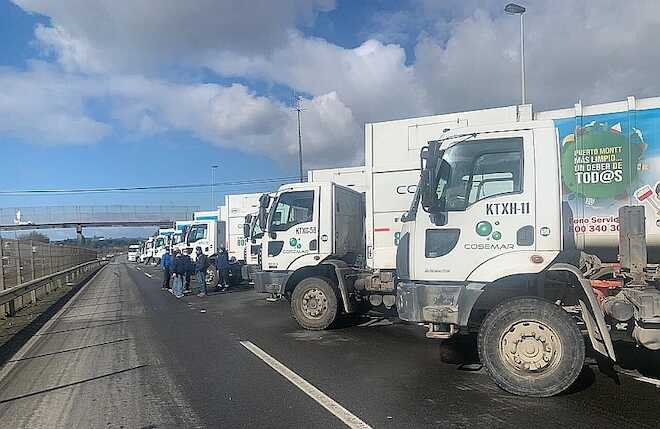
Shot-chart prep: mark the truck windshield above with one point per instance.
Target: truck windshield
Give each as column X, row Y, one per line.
column 473, row 171
column 292, row 208
column 197, row 232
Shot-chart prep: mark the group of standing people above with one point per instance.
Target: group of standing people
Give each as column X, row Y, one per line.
column 179, row 267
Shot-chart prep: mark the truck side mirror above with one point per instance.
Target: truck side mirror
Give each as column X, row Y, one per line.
column 262, row 218
column 264, row 199
column 428, row 161
column 246, row 226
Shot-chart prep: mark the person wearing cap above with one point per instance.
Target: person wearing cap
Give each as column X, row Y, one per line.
column 166, row 265
column 201, row 265
column 178, row 274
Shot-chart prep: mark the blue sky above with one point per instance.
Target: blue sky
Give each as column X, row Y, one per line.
column 96, row 94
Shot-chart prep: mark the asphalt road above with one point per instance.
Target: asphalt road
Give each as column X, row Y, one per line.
column 123, row 353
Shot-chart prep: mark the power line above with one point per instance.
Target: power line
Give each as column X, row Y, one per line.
column 146, row 188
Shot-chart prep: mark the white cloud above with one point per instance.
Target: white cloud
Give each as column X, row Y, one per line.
column 330, row 133
column 42, row 106
column 144, row 34
column 46, row 105
column 372, row 79
column 574, row 50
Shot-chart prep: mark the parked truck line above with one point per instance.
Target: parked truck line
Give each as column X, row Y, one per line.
column 510, row 219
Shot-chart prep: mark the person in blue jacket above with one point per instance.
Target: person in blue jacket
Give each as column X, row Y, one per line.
column 178, row 273
column 166, row 265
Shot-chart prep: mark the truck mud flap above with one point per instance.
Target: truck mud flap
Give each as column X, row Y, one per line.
column 592, row 314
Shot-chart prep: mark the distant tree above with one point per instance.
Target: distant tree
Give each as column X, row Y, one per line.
column 34, row 236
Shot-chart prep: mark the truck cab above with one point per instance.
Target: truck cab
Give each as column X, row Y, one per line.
column 209, row 235
column 133, row 252
column 484, row 249
column 161, row 242
column 311, row 231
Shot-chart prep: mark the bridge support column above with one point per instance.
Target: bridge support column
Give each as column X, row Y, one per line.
column 79, row 234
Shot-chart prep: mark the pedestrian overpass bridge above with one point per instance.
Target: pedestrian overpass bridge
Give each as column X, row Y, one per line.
column 80, row 217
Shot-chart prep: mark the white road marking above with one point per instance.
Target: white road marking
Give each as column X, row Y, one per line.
column 31, row 342
column 148, row 275
column 351, row 420
column 138, row 268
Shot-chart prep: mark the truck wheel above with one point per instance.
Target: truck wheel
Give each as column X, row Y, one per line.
column 531, row 347
column 212, row 278
column 314, row 303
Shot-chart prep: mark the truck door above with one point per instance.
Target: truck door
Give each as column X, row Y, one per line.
column 485, row 188
column 292, row 231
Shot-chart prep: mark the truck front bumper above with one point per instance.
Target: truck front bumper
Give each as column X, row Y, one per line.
column 437, row 302
column 271, row 282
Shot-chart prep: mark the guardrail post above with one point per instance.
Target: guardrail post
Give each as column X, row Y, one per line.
column 19, row 277
column 19, row 280
column 33, row 294
column 2, row 275
column 51, row 267
column 49, row 285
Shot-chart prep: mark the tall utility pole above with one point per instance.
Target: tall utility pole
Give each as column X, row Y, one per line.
column 516, row 9
column 299, row 109
column 213, row 168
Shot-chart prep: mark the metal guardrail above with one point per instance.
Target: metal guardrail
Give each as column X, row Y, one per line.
column 25, row 261
column 11, row 294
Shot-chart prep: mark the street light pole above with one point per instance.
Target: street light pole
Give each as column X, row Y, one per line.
column 522, row 56
column 213, row 167
column 515, row 9
column 300, row 162
column 299, row 109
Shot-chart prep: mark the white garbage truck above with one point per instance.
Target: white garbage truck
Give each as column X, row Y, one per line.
column 527, row 229
column 352, row 177
column 178, row 240
column 206, row 231
column 236, row 209
column 222, row 228
column 161, row 242
column 147, row 251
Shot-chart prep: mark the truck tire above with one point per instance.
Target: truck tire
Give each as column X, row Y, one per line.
column 314, row 303
column 212, row 278
column 531, row 347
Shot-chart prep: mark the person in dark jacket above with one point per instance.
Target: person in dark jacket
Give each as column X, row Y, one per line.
column 189, row 269
column 201, row 265
column 178, row 273
column 223, row 268
column 166, row 265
